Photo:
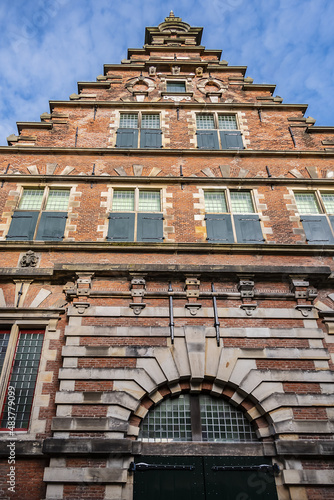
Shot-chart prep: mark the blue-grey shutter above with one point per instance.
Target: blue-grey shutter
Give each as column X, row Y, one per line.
column 150, row 138
column 150, row 227
column 121, row 226
column 127, row 138
column 317, row 230
column 207, row 139
column 231, row 139
column 219, row 228
column 23, row 226
column 248, row 228
column 51, row 226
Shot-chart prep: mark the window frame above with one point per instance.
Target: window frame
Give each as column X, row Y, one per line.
column 173, row 81
column 233, row 214
column 139, row 135
column 42, row 209
column 6, row 371
column 326, row 217
column 220, row 132
column 136, row 211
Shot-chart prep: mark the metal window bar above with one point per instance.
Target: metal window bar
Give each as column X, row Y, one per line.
column 307, row 203
column 150, row 121
column 123, row 201
column 222, row 422
column 205, row 122
column 23, row 378
column 241, row 202
column 128, row 120
column 227, row 122
column 57, row 200
column 149, row 201
column 31, row 199
column 169, row 421
column 328, row 201
column 215, row 311
column 171, row 313
column 4, row 339
column 215, row 201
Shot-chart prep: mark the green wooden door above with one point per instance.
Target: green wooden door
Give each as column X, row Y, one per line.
column 204, row 478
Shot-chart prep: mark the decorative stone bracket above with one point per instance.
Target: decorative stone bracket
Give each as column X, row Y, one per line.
column 192, row 285
column 138, row 291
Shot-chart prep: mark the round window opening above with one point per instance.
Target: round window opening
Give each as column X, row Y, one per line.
column 196, row 418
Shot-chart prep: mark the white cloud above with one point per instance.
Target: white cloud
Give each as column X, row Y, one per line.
column 47, row 46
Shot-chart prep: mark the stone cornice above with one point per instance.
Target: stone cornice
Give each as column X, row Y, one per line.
column 163, row 180
column 22, row 149
column 161, row 248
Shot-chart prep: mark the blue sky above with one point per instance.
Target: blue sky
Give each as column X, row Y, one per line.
column 47, row 46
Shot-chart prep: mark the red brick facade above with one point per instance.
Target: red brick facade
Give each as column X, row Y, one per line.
column 100, row 291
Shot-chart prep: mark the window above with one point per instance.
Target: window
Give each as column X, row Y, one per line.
column 136, row 216
column 196, row 418
column 176, row 86
column 230, row 217
column 139, row 128
column 218, row 132
column 20, row 353
column 41, row 215
column 316, row 211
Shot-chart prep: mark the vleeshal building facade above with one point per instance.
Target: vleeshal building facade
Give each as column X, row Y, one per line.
column 166, row 287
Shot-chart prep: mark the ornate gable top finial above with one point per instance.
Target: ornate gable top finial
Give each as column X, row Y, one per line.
column 173, row 18
column 171, row 14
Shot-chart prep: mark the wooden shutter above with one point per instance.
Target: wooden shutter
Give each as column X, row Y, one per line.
column 51, row 226
column 127, row 138
column 150, row 227
column 248, row 228
column 219, row 228
column 207, row 139
column 231, row 139
column 150, row 138
column 23, row 226
column 317, row 230
column 121, row 226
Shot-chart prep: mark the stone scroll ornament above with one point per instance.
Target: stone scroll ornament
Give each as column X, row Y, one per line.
column 30, row 259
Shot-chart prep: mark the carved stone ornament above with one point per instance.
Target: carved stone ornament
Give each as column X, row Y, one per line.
column 193, row 308
column 145, row 82
column 152, row 70
column 137, row 307
column 248, row 308
column 206, row 85
column 81, row 306
column 176, row 70
column 30, row 259
column 305, row 309
column 178, row 98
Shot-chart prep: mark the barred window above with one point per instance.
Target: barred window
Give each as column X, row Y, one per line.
column 128, row 120
column 215, row 201
column 20, row 373
column 241, row 202
column 149, row 201
column 174, row 420
column 227, row 122
column 205, row 122
column 31, row 199
column 150, row 121
column 123, row 200
column 307, row 203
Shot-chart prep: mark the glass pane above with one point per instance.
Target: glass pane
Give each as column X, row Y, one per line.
column 128, row 120
column 215, row 201
column 169, row 421
column 176, row 87
column 57, row 200
column 123, row 201
column 328, row 200
column 31, row 199
column 205, row 122
column 222, row 422
column 307, row 203
column 149, row 201
column 150, row 121
column 241, row 202
column 4, row 338
column 227, row 122
column 23, row 378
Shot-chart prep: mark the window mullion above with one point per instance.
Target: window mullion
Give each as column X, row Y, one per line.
column 320, row 202
column 43, row 204
column 7, row 364
column 136, row 206
column 195, row 417
column 229, row 208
